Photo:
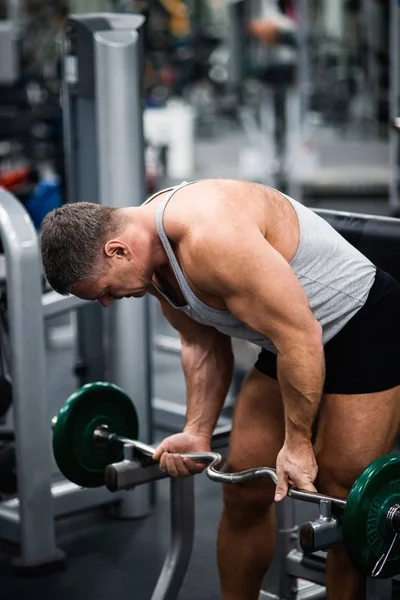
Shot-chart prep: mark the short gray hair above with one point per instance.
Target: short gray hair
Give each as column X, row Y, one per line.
column 72, row 241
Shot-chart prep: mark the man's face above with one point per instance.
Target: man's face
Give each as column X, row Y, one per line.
column 121, row 279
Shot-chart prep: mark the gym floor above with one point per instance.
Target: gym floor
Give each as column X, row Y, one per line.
column 121, row 560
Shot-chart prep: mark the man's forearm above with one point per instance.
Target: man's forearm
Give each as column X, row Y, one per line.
column 208, row 373
column 301, row 377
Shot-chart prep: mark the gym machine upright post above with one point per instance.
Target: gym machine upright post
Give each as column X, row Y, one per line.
column 30, row 519
column 394, row 129
column 102, row 101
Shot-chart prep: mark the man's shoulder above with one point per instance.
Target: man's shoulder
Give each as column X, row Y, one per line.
column 217, row 205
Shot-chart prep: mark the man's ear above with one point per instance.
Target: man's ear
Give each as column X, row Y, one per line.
column 117, row 248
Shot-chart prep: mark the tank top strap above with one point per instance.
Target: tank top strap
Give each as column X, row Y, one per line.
column 184, row 286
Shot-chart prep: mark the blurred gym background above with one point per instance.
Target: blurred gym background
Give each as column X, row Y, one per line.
column 306, row 104
column 301, row 95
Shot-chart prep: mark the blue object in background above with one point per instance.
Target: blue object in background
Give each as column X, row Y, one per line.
column 46, row 196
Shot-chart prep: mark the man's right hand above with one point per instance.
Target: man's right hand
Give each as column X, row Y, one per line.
column 170, row 450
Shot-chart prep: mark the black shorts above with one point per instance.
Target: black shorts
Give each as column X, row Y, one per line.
column 364, row 357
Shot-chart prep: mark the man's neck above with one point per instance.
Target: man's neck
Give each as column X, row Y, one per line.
column 145, row 236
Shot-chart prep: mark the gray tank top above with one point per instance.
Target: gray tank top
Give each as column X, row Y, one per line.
column 335, row 276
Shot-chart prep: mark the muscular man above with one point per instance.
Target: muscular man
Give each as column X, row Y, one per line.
column 236, row 259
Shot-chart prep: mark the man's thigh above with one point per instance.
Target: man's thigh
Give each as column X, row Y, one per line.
column 353, row 430
column 258, row 431
column 258, row 424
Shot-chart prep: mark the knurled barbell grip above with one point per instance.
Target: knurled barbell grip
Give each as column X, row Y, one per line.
column 215, row 463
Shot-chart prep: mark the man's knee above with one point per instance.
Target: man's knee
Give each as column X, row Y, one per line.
column 246, row 503
column 336, row 478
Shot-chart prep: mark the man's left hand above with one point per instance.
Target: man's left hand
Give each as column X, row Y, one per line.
column 296, row 466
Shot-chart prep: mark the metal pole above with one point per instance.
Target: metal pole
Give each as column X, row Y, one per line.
column 90, row 363
column 371, row 29
column 279, row 582
column 31, row 418
column 303, row 30
column 13, row 11
column 237, row 42
column 333, row 18
column 293, row 134
column 82, row 186
column 122, row 183
column 182, row 535
column 394, row 46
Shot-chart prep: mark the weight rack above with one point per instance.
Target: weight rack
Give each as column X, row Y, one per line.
column 29, row 519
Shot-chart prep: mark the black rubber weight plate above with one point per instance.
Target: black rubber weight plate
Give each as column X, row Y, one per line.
column 79, row 458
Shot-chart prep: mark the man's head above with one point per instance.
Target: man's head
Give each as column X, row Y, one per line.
column 87, row 250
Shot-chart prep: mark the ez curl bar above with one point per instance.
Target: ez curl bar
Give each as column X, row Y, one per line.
column 94, row 444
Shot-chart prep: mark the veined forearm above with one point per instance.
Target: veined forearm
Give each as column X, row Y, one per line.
column 301, row 375
column 208, row 373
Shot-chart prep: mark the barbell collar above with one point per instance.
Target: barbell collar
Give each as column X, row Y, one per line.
column 321, row 534
column 393, row 517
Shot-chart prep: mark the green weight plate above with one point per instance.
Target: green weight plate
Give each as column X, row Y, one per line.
column 365, row 532
column 79, row 458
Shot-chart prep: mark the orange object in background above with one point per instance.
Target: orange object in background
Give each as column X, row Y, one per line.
column 179, row 24
column 266, row 31
column 15, row 177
